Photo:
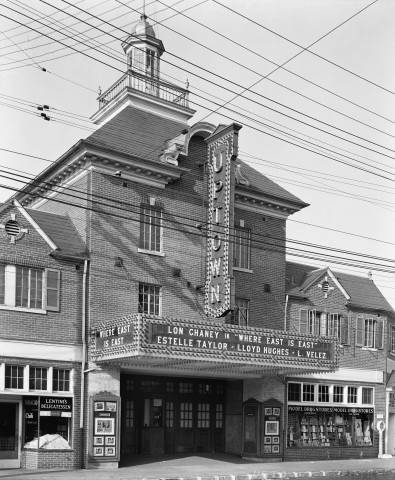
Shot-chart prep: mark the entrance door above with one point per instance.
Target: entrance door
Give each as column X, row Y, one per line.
column 9, row 435
column 153, row 434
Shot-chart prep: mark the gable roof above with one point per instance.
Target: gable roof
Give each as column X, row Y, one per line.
column 60, row 229
column 362, row 291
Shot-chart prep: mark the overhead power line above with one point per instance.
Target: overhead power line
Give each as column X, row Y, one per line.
column 301, row 46
column 298, row 53
column 282, row 67
column 221, row 86
column 256, row 242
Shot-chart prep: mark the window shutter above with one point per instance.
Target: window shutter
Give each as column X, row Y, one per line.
column 2, row 283
column 303, row 320
column 316, row 322
column 359, row 331
column 379, row 340
column 345, row 330
column 53, row 289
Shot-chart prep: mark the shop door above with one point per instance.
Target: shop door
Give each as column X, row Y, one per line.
column 153, row 432
column 9, row 435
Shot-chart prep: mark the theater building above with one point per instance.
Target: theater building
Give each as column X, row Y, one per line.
column 335, row 415
column 169, row 323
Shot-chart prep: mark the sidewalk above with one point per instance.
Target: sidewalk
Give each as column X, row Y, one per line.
column 223, row 468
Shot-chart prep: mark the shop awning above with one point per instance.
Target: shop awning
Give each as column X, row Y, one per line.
column 145, row 344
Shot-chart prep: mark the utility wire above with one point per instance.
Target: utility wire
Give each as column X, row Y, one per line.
column 221, row 86
column 232, row 118
column 293, row 57
column 131, row 207
column 300, row 46
column 216, row 32
column 241, row 86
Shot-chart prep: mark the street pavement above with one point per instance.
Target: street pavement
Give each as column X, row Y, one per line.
column 222, row 468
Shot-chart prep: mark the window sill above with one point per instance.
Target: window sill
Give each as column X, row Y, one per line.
column 245, row 270
column 371, row 349
column 151, row 252
column 23, row 309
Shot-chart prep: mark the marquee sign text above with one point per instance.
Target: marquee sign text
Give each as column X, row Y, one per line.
column 215, row 340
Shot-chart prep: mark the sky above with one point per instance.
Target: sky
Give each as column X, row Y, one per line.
column 338, row 100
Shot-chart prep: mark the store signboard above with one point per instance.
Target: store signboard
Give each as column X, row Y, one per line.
column 225, row 339
column 56, row 406
column 313, row 410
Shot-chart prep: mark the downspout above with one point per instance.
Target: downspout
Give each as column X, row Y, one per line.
column 285, row 311
column 83, row 338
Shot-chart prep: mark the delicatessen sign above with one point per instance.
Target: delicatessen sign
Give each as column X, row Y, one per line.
column 224, row 340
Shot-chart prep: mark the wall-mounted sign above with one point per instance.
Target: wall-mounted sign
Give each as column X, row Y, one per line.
column 114, row 336
column 225, row 340
column 56, row 406
column 222, row 151
column 311, row 410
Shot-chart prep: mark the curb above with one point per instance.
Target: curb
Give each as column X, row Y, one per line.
column 329, row 475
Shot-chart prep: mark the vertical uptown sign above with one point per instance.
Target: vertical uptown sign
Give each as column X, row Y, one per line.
column 222, row 151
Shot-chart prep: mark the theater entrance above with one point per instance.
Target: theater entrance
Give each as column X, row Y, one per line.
column 9, row 434
column 165, row 416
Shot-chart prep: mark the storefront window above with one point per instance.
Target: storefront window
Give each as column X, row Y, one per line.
column 308, row 392
column 47, row 422
column 352, row 394
column 338, row 394
column 323, row 393
column 310, row 426
column 294, row 392
column 14, row 376
column 61, row 380
column 367, row 395
column 37, row 378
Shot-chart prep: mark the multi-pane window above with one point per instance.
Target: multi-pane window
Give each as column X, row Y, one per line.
column 38, row 378
column 186, row 415
column 369, row 332
column 240, row 315
column 129, row 413
column 323, row 323
column 219, row 415
column 29, row 287
column 204, row 388
column 294, row 392
column 149, row 299
column 338, row 394
column 323, row 393
column 352, row 394
column 14, row 376
column 308, row 392
column 33, row 288
column 185, row 387
column 169, row 415
column 203, row 415
column 393, row 339
column 151, row 228
column 241, row 247
column 367, row 395
column 61, row 380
